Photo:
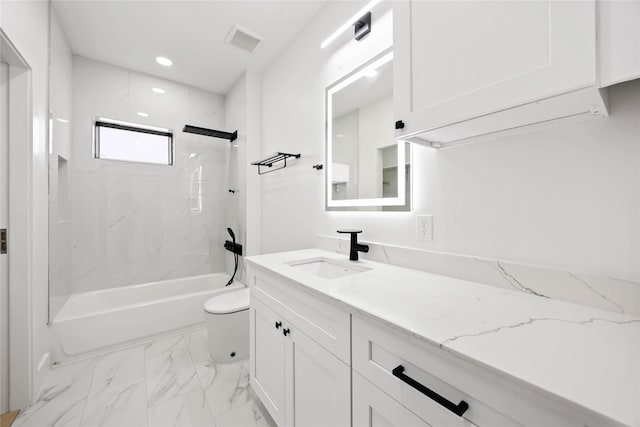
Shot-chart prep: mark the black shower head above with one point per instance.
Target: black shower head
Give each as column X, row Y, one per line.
column 230, row 231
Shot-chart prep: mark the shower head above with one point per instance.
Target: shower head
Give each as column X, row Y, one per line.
column 230, row 231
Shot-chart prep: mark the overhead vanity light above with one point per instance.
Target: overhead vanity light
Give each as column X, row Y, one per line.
column 357, row 17
column 164, row 61
column 158, row 90
column 370, row 71
column 143, row 114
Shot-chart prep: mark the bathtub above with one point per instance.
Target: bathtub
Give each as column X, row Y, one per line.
column 92, row 321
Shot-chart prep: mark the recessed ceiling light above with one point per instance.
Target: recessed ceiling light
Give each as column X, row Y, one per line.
column 164, row 61
column 158, row 90
column 63, row 120
column 143, row 114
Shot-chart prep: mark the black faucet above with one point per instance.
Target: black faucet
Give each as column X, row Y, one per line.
column 355, row 246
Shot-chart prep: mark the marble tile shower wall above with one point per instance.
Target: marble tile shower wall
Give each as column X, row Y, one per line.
column 136, row 223
column 609, row 293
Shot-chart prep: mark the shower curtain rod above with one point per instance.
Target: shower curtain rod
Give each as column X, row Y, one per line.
column 211, row 132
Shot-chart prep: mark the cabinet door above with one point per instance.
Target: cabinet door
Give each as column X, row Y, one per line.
column 374, row 408
column 619, row 41
column 318, row 385
column 267, row 359
column 457, row 60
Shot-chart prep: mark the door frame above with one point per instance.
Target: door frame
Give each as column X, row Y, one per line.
column 20, row 224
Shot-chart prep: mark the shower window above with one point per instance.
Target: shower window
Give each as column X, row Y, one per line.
column 130, row 142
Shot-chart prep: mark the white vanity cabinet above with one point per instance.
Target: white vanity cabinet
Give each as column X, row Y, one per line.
column 429, row 380
column 469, row 68
column 374, row 408
column 300, row 353
column 268, row 359
column 394, row 347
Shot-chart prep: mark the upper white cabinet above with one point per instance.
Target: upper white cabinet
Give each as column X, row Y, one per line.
column 469, row 68
column 619, row 41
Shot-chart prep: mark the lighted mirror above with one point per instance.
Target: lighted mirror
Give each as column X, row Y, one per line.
column 367, row 168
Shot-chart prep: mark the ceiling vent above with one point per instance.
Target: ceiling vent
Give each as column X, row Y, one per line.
column 243, row 38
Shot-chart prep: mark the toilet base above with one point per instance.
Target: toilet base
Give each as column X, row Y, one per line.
column 228, row 336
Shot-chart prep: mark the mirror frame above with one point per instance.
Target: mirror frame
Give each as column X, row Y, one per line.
column 377, row 61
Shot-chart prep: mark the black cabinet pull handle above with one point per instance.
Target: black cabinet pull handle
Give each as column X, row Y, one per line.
column 286, row 332
column 458, row 409
column 278, row 324
column 399, row 124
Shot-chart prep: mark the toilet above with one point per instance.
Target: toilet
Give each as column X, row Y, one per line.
column 227, row 319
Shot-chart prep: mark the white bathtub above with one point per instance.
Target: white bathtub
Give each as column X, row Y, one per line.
column 92, row 321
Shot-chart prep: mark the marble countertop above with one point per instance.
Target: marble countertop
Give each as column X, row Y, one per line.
column 580, row 355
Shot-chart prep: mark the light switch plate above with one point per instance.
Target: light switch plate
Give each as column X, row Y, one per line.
column 424, row 227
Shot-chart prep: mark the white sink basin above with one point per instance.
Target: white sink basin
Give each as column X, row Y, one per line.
column 328, row 268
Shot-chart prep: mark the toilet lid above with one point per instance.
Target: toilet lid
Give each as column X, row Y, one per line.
column 228, row 302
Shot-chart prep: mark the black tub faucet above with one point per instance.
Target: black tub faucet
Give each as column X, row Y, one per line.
column 355, row 246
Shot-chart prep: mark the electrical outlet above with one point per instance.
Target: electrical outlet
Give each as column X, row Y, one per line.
column 424, row 227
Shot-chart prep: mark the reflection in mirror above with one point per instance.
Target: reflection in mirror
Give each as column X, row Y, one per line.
column 367, row 169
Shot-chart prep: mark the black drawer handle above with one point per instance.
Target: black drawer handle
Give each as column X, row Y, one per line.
column 278, row 324
column 286, row 332
column 458, row 409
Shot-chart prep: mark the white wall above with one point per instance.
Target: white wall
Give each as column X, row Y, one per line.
column 136, row 223
column 236, row 203
column 254, row 152
column 4, row 262
column 26, row 23
column 60, row 101
column 242, row 113
column 293, row 121
column 566, row 197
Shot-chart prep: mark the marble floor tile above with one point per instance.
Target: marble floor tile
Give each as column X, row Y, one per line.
column 120, row 368
column 61, row 400
column 74, row 378
column 162, row 346
column 120, row 406
column 170, row 372
column 188, row 410
column 229, row 387
column 205, row 368
column 52, row 410
column 168, row 382
column 248, row 414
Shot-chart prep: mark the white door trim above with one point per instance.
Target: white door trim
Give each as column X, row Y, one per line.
column 20, row 224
